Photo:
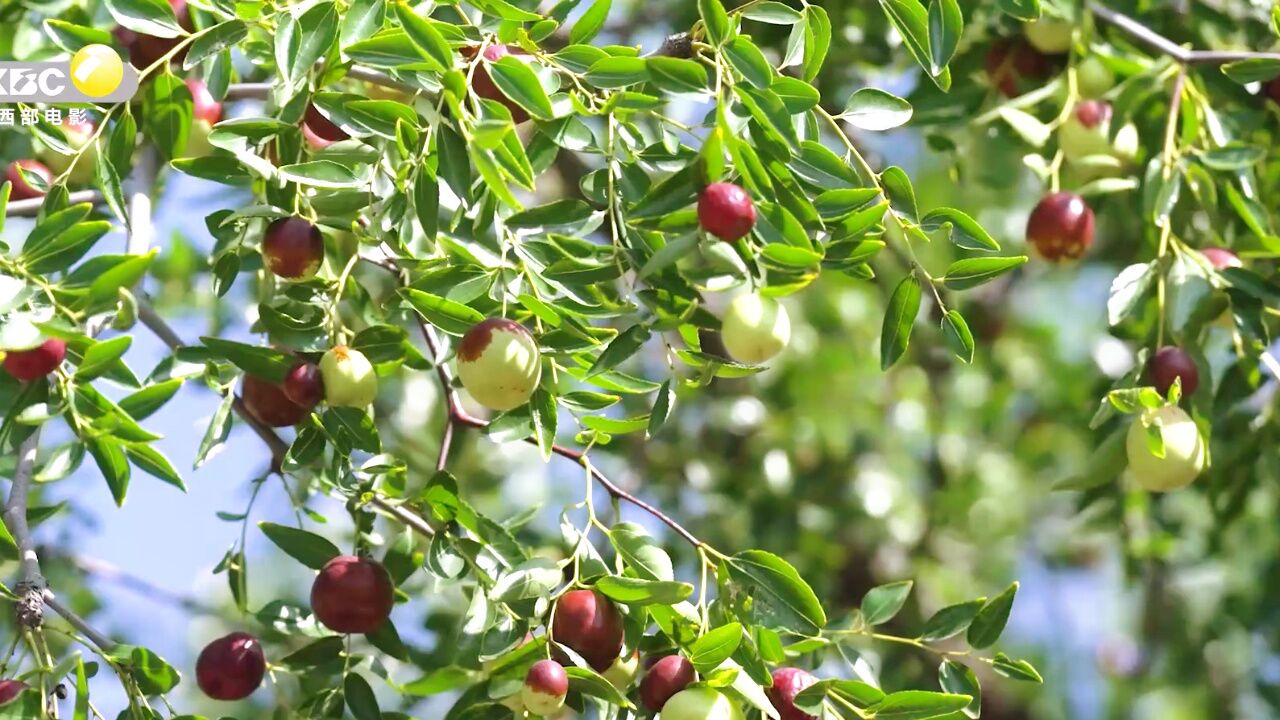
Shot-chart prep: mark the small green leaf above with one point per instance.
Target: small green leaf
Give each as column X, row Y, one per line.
column 972, row 272
column 875, row 109
column 881, row 603
column 904, row 306
column 307, row 548
column 990, row 621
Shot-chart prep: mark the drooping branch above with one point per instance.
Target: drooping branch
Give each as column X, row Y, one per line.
column 1164, row 45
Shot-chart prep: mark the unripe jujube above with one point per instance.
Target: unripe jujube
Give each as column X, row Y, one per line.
column 499, row 363
column 545, row 687
column 755, row 328
column 352, row 595
column 1086, row 131
column 231, row 667
column 349, row 378
column 700, row 703
column 1183, row 450
column 1094, row 78
column 1049, row 35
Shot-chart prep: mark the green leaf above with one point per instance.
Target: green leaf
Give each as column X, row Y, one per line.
column 321, row 174
column 267, row 363
column 213, row 41
column 911, row 20
column 873, row 109
column 950, row 620
column 590, row 22
column 959, row 679
column 635, row 591
column 956, row 332
column 881, row 603
column 677, row 75
column 715, row 21
column 714, row 647
column 895, row 334
column 1233, row 156
column 301, row 41
column 360, row 698
column 1252, row 70
column 774, row 13
column 964, row 231
column 387, row 49
column 451, row 317
column 154, row 463
column 919, row 705
column 946, row 24
column 817, row 40
column 108, row 455
column 587, row 682
column 146, row 401
column 902, row 196
column 1016, row 669
column 517, row 81
column 781, row 599
column 307, row 548
column 990, row 621
column 362, row 19
column 641, row 552
column 435, row 49
column 616, row 72
column 748, row 60
column 972, row 272
column 71, row 37
column 662, row 406
column 147, row 17
column 101, row 356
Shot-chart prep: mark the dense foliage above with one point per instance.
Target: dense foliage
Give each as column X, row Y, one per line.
column 667, row 268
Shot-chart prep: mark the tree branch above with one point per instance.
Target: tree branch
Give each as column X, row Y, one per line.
column 31, row 207
column 30, row 582
column 1155, row 40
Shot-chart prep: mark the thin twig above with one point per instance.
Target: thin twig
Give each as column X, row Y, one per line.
column 104, row 643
